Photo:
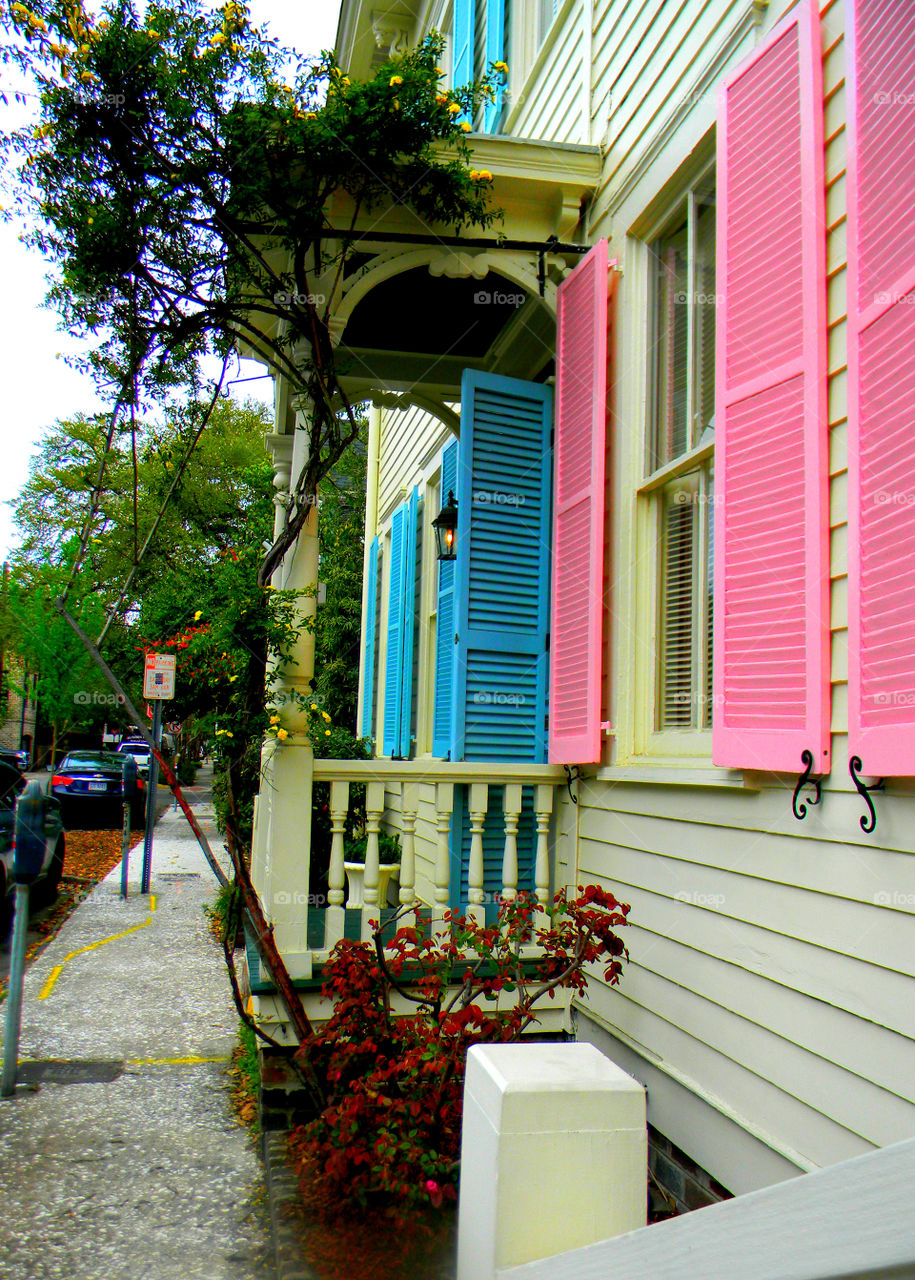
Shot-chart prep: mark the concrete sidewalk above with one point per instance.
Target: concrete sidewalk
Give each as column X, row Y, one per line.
column 125, row 1160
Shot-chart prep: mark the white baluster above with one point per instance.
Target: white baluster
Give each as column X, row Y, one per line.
column 374, row 812
column 511, row 808
column 410, row 809
column 336, row 876
column 479, row 803
column 543, row 808
column 444, row 805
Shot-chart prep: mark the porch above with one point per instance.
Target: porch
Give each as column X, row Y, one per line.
column 458, row 825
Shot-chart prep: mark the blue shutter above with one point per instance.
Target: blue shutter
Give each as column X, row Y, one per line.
column 368, row 660
column 408, row 622
column 495, row 52
column 502, row 579
column 501, row 605
column 444, row 623
column 462, row 33
column 394, row 658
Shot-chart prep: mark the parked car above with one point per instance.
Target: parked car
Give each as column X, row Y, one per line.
column 89, row 786
column 18, row 759
column 140, row 752
column 45, row 888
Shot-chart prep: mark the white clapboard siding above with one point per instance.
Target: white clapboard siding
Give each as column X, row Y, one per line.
column 879, row 935
column 647, row 61
column 551, row 106
column 748, row 1091
column 408, row 439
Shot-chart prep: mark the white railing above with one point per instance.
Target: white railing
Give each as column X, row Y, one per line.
column 393, row 801
column 853, row 1220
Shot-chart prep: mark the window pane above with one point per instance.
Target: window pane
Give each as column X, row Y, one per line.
column 678, row 592
column 704, row 313
column 672, row 346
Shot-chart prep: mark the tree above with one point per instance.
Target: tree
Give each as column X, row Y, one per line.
column 338, row 622
column 181, row 188
column 202, row 559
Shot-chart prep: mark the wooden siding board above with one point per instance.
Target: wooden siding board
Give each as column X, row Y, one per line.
column 882, row 934
column 548, row 114
column 749, row 1093
column 871, row 1112
column 840, row 986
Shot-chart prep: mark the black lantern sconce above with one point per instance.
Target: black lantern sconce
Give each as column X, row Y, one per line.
column 445, row 526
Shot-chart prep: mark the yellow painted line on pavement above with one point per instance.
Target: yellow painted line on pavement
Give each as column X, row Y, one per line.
column 93, row 946
column 172, row 1062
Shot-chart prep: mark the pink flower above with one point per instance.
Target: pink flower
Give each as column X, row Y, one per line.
column 435, row 1193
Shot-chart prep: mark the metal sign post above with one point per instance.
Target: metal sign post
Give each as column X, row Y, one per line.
column 158, row 684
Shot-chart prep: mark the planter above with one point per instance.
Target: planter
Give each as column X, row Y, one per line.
column 355, row 882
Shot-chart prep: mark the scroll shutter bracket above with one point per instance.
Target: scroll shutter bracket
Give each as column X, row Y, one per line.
column 868, row 820
column 800, row 809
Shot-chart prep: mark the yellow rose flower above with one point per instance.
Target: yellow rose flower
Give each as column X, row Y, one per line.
column 326, row 716
column 465, row 126
column 198, row 614
column 313, row 707
column 282, row 734
column 501, row 66
column 311, row 115
column 454, row 108
column 274, row 719
column 327, row 733
column 441, row 97
column 395, row 80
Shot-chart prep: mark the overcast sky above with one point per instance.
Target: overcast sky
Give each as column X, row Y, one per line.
column 37, row 386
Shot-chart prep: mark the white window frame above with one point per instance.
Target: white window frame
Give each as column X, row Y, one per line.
column 693, row 468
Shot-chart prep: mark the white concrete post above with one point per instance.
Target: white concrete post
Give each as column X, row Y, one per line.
column 554, row 1154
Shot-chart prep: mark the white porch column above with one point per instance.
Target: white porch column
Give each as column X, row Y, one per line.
column 554, row 1154
column 282, row 840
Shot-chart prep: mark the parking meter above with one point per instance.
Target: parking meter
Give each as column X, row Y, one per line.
column 129, row 778
column 30, row 838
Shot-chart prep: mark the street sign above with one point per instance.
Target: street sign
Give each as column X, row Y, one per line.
column 159, row 676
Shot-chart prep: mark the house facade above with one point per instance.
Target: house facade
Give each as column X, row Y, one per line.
column 669, row 404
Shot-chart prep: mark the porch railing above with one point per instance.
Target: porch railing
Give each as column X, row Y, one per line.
column 393, row 798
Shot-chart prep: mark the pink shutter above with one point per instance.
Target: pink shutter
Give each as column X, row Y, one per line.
column 881, row 378
column 771, row 590
column 578, row 513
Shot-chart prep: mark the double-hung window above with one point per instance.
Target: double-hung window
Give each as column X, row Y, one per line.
column 679, row 478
